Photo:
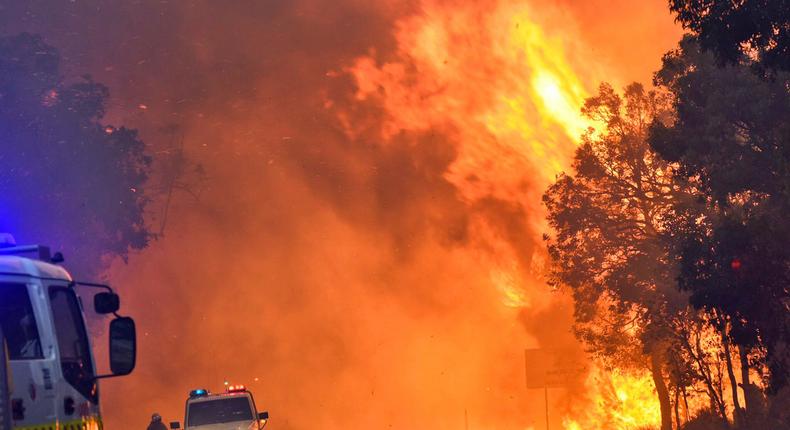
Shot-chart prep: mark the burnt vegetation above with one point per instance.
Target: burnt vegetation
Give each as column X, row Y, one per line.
column 671, row 231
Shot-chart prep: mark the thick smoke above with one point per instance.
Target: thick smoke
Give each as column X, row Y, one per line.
column 339, row 274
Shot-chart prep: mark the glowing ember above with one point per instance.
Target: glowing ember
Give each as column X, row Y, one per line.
column 50, row 98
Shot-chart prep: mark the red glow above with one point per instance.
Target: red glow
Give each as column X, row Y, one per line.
column 236, row 388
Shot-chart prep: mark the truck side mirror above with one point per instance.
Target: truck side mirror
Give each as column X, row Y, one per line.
column 123, row 346
column 263, row 416
column 175, row 425
column 106, row 303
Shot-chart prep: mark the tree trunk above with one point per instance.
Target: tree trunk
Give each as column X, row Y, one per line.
column 719, row 387
column 736, row 414
column 743, row 355
column 752, row 395
column 698, row 354
column 661, row 390
column 677, row 407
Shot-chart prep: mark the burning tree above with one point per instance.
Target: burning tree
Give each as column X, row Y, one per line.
column 733, row 136
column 684, row 187
column 612, row 246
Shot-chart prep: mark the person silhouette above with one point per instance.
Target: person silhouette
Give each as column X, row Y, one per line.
column 156, row 422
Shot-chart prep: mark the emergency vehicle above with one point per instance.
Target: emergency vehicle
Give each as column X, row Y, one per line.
column 232, row 410
column 53, row 381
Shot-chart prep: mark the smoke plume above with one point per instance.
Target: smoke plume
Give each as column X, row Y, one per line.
column 364, row 247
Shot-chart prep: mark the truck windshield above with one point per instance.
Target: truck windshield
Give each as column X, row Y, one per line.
column 19, row 323
column 226, row 410
column 75, row 351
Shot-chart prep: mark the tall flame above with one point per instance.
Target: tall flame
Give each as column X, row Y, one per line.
column 620, row 401
column 492, row 77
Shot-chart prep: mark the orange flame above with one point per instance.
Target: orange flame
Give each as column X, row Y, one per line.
column 619, row 401
column 494, row 79
column 497, row 81
column 494, row 76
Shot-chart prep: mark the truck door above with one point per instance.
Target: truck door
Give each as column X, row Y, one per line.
column 29, row 361
column 19, row 323
column 79, row 389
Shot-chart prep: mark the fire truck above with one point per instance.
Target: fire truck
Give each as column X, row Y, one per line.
column 232, row 410
column 49, row 379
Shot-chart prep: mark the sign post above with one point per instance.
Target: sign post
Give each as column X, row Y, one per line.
column 552, row 368
column 546, row 401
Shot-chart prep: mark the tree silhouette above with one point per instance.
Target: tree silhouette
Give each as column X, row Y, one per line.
column 731, row 28
column 610, row 248
column 67, row 180
column 177, row 172
column 732, row 134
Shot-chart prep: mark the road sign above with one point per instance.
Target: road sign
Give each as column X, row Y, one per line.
column 554, row 367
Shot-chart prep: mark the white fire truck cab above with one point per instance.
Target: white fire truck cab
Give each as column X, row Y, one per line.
column 52, row 381
column 232, row 410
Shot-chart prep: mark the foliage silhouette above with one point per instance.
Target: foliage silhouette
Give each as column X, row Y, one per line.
column 67, row 179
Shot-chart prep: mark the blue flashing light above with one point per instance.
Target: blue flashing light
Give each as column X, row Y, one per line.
column 200, row 392
column 7, row 240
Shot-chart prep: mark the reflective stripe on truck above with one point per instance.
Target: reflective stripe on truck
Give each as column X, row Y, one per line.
column 86, row 423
